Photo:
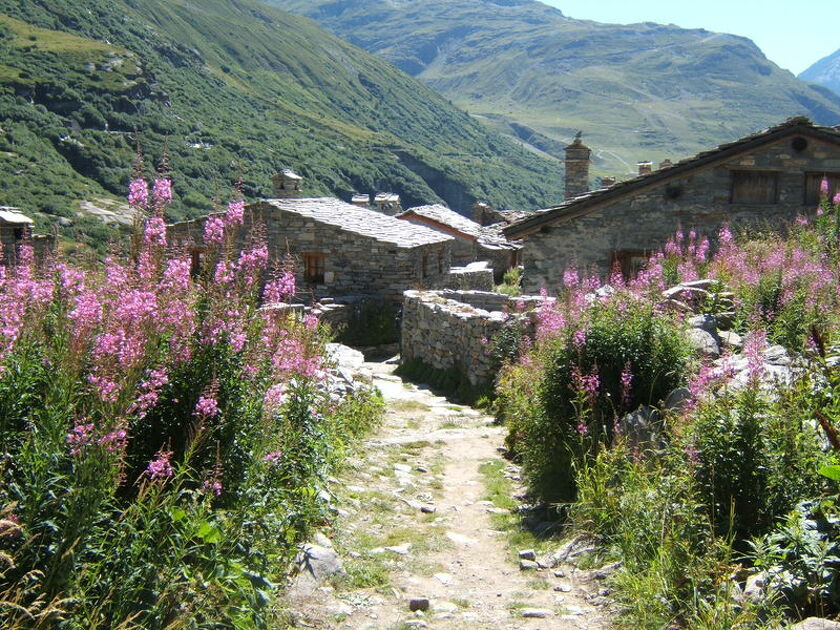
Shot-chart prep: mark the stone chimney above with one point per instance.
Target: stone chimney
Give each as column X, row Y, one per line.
column 607, row 182
column 363, row 201
column 666, row 163
column 288, row 185
column 577, row 168
column 645, row 168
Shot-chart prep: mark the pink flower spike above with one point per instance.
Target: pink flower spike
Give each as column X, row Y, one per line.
column 824, row 187
column 206, row 406
column 160, row 467
column 836, row 200
column 214, row 230
column 162, row 192
column 138, row 193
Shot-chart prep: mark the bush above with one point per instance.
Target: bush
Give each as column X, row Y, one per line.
column 606, row 361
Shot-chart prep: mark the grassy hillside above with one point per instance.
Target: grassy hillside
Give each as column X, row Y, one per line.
column 825, row 72
column 639, row 91
column 228, row 89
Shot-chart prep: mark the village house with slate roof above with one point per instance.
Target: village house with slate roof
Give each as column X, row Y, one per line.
column 16, row 229
column 473, row 242
column 766, row 177
column 339, row 249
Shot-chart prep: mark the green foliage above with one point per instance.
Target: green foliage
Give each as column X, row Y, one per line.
column 756, row 458
column 553, row 424
column 184, row 82
column 511, row 282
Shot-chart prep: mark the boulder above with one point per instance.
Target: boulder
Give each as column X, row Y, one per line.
column 815, row 623
column 642, row 428
column 703, row 343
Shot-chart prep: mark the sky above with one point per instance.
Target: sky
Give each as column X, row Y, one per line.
column 793, row 34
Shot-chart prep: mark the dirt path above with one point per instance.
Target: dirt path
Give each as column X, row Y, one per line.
column 425, row 513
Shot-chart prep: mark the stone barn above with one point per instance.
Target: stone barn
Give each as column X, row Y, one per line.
column 473, row 242
column 340, row 249
column 764, row 178
column 16, row 229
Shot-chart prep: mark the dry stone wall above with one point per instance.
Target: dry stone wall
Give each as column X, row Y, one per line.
column 448, row 329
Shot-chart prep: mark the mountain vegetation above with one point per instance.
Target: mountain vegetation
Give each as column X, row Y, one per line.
column 227, row 91
column 638, row 91
column 826, row 72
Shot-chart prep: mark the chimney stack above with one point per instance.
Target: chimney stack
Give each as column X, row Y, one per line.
column 666, row 163
column 577, row 168
column 645, row 168
column 288, row 185
column 607, row 182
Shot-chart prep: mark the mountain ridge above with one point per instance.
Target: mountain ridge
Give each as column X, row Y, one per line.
column 640, row 91
column 228, row 90
column 825, row 72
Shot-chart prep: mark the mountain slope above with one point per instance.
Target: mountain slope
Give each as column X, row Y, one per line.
column 639, row 91
column 825, row 72
column 229, row 89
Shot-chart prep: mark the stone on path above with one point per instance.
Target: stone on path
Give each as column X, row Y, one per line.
column 535, row 613
column 528, row 554
column 815, row 623
column 528, row 565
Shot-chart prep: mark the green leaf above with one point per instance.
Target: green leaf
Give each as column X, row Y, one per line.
column 209, row 533
column 832, row 472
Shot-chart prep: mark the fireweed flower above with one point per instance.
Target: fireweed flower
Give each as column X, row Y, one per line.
column 754, row 349
column 154, row 232
column 206, row 406
column 824, row 187
column 79, row 438
column 235, row 214
column 272, row 457
column 626, row 383
column 214, row 230
column 836, row 200
column 162, row 192
column 138, row 193
column 160, row 467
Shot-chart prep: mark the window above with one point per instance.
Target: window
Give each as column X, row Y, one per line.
column 195, row 262
column 440, row 261
column 314, row 267
column 629, row 262
column 812, row 186
column 755, row 187
column 424, row 265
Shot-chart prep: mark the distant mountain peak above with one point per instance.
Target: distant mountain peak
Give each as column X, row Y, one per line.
column 825, row 72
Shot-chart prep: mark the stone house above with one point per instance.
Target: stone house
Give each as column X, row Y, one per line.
column 473, row 242
column 16, row 229
column 767, row 177
column 339, row 249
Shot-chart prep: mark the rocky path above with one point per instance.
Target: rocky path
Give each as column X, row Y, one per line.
column 425, row 523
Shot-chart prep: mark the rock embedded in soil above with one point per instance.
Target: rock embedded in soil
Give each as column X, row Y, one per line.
column 535, row 613
column 528, row 554
column 528, row 565
column 815, row 623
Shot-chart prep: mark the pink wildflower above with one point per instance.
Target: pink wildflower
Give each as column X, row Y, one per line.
column 115, row 441
column 275, row 397
column 160, row 467
column 79, row 438
column 836, row 200
column 280, row 289
column 582, row 429
column 206, row 406
column 138, row 193
column 235, row 213
column 311, row 321
column 626, row 382
column 824, row 187
column 155, row 232
column 162, row 191
column 272, row 457
column 214, row 230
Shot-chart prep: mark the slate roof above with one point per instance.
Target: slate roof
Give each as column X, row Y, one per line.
column 361, row 221
column 486, row 235
column 14, row 215
column 590, row 201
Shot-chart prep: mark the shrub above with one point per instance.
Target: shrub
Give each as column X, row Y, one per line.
column 595, row 363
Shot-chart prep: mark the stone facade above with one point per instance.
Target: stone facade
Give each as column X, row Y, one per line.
column 766, row 178
column 339, row 249
column 16, row 229
column 473, row 242
column 446, row 329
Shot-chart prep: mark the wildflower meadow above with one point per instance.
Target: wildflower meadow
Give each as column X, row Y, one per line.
column 698, row 474
column 164, row 433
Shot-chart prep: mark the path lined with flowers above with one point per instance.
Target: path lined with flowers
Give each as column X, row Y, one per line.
column 415, row 523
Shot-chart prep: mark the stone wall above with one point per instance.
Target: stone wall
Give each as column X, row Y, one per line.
column 353, row 264
column 470, row 278
column 444, row 329
column 643, row 221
